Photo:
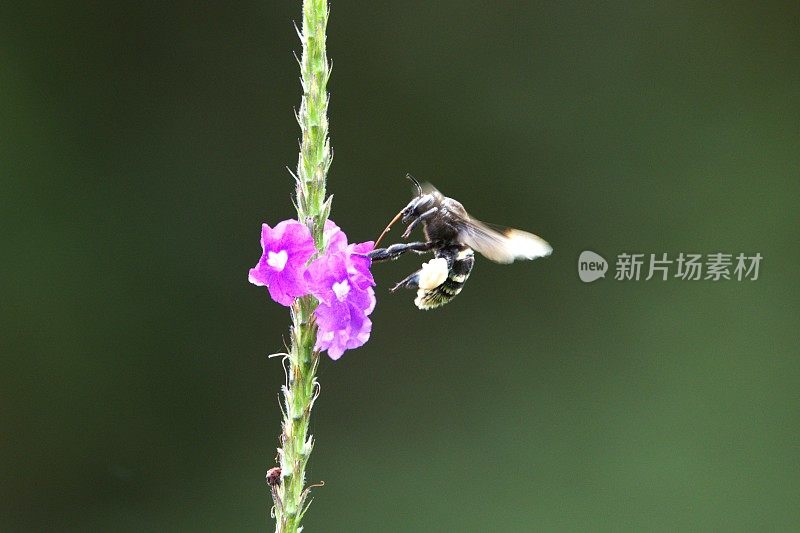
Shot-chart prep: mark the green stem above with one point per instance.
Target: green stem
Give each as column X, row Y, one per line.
column 313, row 209
column 315, row 151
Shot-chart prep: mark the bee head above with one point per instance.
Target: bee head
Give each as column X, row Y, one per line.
column 424, row 200
column 419, row 204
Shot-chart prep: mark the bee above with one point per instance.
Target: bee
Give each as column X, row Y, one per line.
column 453, row 236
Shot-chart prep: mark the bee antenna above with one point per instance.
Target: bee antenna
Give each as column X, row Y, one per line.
column 416, row 184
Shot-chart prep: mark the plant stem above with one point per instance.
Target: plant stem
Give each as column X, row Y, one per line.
column 315, row 151
column 313, row 209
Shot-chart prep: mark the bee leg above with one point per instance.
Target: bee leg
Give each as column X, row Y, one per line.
column 396, row 250
column 411, row 282
column 427, row 214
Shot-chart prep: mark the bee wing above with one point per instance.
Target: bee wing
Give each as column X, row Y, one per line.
column 502, row 245
column 427, row 188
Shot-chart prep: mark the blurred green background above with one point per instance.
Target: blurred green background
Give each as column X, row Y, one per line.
column 144, row 143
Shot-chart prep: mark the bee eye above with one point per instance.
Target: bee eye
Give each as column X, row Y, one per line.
column 425, row 202
column 409, row 209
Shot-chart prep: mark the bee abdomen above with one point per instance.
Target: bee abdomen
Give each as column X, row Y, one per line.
column 460, row 269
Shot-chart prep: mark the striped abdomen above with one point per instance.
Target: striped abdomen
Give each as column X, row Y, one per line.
column 460, row 262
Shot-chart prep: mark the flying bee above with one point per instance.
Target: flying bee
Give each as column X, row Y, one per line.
column 453, row 236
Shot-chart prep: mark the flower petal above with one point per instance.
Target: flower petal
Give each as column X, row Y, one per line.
column 334, row 238
column 292, row 243
column 257, row 276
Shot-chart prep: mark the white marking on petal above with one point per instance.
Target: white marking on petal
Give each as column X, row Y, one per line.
column 341, row 289
column 277, row 260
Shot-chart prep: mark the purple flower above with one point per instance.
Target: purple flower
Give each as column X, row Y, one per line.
column 338, row 341
column 333, row 237
column 340, row 279
column 357, row 264
column 287, row 248
column 342, row 283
